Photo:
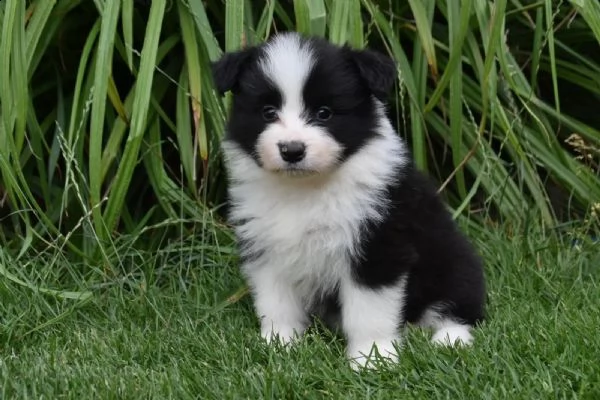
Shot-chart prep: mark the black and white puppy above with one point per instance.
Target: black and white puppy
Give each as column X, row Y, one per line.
column 331, row 215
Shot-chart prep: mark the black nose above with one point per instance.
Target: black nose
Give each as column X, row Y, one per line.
column 293, row 151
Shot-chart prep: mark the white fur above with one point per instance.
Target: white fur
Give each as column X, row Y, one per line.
column 288, row 63
column 304, row 229
column 446, row 331
column 371, row 317
column 281, row 311
column 453, row 334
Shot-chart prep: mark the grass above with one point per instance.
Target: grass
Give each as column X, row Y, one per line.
column 164, row 332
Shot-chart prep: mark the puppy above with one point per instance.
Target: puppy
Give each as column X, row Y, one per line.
column 332, row 217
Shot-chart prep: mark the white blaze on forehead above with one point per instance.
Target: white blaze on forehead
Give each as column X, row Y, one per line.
column 288, row 63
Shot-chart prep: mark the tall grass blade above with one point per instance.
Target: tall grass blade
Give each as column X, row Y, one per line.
column 311, row 16
column 138, row 116
column 457, row 25
column 551, row 49
column 235, row 38
column 102, row 71
column 423, row 17
column 127, row 24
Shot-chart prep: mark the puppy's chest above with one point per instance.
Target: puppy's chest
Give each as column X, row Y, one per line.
column 307, row 236
column 290, row 226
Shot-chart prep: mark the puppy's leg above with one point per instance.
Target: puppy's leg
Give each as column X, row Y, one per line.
column 279, row 308
column 371, row 317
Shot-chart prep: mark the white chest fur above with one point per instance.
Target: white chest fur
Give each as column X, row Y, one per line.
column 304, row 232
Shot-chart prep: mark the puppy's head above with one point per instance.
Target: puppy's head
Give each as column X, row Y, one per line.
column 302, row 105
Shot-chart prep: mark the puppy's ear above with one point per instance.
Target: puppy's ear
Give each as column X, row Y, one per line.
column 377, row 70
column 227, row 69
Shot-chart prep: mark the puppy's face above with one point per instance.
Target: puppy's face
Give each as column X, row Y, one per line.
column 301, row 105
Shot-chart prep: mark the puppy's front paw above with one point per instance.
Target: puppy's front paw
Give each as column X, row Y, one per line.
column 284, row 334
column 367, row 354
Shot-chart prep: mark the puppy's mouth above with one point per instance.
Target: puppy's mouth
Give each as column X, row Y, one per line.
column 296, row 171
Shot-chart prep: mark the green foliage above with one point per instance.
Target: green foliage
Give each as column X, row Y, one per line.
column 110, row 127
column 168, row 337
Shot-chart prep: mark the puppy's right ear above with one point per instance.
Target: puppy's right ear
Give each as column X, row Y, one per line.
column 226, row 70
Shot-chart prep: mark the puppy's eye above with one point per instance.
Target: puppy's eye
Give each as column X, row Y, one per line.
column 269, row 113
column 324, row 113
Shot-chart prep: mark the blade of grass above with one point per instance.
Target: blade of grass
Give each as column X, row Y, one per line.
column 284, row 18
column 356, row 36
column 115, row 99
column 11, row 23
column 20, row 92
column 422, row 13
column 36, row 25
column 420, row 69
column 62, row 294
column 263, row 27
column 234, row 25
column 458, row 23
column 317, row 16
column 184, row 129
column 536, row 51
column 338, row 21
column 127, row 24
column 311, row 16
column 138, row 117
column 490, row 27
column 194, row 71
column 102, row 72
column 78, row 109
column 196, row 9
column 457, row 26
column 551, row 50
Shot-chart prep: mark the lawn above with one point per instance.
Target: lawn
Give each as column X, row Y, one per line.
column 163, row 331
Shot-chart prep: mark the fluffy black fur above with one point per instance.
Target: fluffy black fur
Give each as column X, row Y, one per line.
column 419, row 238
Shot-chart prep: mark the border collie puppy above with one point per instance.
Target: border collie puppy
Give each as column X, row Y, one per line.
column 332, row 217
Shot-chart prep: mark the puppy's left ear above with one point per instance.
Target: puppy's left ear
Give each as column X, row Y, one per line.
column 377, row 70
column 227, row 69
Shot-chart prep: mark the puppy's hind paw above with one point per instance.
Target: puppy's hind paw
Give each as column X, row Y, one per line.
column 453, row 335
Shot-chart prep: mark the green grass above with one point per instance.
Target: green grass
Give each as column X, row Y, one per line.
column 163, row 332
